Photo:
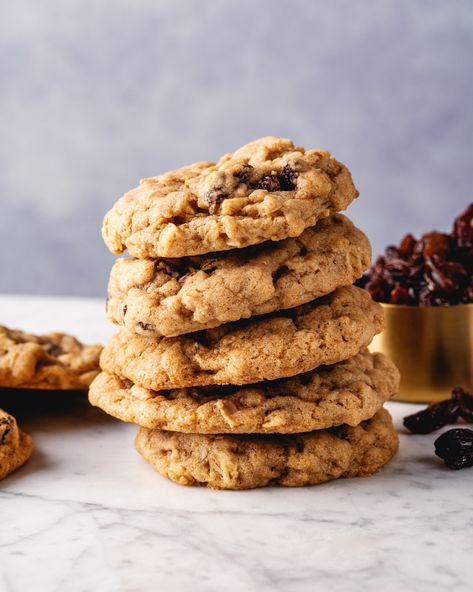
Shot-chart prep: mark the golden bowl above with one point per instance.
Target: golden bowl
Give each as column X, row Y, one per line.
column 431, row 346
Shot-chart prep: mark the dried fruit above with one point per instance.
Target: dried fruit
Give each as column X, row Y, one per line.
column 214, row 198
column 269, row 182
column 435, row 270
column 465, row 403
column 437, row 415
column 455, row 448
column 285, row 180
column 430, row 419
column 244, row 173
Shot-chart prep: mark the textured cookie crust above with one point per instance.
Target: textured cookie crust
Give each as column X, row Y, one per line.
column 15, row 445
column 175, row 296
column 53, row 361
column 346, row 393
column 245, row 462
column 266, row 190
column 290, row 342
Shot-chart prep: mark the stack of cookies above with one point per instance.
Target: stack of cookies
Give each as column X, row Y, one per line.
column 242, row 353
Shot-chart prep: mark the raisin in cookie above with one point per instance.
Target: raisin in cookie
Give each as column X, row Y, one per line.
column 266, row 190
column 176, row 296
column 325, row 331
column 245, row 462
column 15, row 445
column 346, row 393
column 53, row 361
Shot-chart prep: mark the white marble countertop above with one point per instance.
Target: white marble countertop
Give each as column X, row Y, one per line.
column 86, row 512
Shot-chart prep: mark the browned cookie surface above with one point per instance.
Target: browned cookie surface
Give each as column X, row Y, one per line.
column 266, row 190
column 172, row 297
column 346, row 393
column 15, row 445
column 246, row 462
column 325, row 331
column 53, row 361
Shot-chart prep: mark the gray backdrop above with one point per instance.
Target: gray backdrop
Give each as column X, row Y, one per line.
column 96, row 94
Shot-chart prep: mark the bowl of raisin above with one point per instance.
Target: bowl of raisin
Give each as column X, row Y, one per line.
column 425, row 286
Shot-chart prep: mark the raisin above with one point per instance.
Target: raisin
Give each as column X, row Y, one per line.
column 285, row 180
column 146, row 326
column 463, row 228
column 432, row 418
column 455, row 448
column 435, row 244
column 436, row 270
column 288, row 178
column 243, row 174
column 125, row 308
column 400, row 295
column 465, row 403
column 437, row 415
column 268, row 182
column 214, row 198
column 407, row 245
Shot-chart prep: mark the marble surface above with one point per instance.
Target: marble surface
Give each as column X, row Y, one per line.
column 86, row 513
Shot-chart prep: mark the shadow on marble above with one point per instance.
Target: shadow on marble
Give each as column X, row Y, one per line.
column 61, row 410
column 37, row 462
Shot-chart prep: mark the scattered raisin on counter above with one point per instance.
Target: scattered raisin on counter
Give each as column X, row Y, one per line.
column 432, row 418
column 438, row 415
column 465, row 403
column 455, row 448
column 435, row 270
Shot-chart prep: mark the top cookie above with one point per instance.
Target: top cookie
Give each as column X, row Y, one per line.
column 172, row 297
column 53, row 361
column 266, row 190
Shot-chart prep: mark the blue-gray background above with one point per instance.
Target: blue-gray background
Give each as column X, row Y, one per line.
column 95, row 94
